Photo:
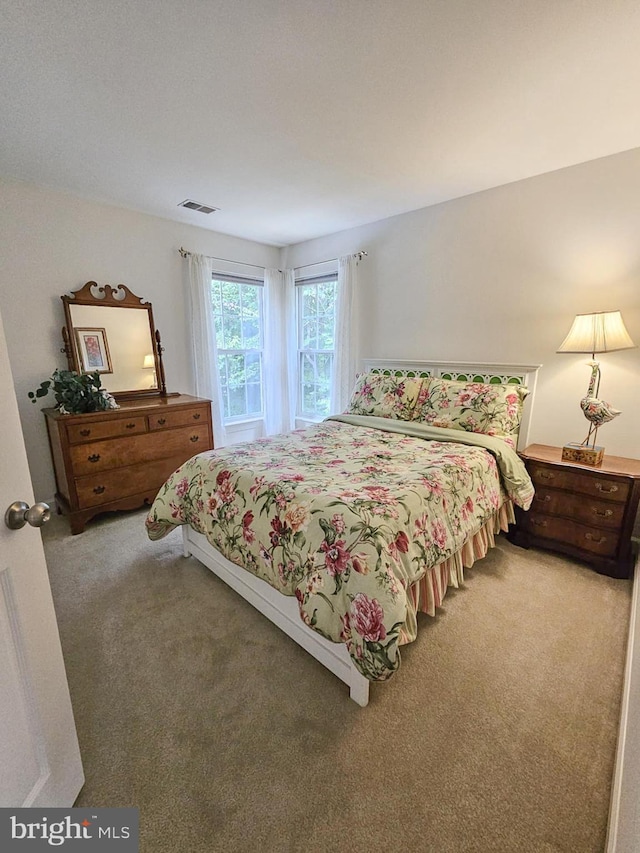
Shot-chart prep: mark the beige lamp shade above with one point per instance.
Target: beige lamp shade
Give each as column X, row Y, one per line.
column 148, row 361
column 601, row 332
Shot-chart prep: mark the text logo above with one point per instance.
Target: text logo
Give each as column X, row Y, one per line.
column 87, row 830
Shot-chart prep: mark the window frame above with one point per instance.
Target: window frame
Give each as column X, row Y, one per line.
column 301, row 282
column 217, row 276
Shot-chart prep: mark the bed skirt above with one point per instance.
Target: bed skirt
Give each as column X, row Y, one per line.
column 428, row 593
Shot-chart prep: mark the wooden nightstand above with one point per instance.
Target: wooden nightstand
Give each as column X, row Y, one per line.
column 586, row 512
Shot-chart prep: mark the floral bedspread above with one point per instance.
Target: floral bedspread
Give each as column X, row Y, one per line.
column 346, row 517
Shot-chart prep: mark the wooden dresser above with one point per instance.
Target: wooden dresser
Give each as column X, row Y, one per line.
column 118, row 459
column 586, row 512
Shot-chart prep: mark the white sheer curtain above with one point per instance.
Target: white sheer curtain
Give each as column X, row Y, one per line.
column 280, row 349
column 345, row 353
column 204, row 351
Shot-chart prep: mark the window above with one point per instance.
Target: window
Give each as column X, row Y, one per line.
column 237, row 311
column 316, row 300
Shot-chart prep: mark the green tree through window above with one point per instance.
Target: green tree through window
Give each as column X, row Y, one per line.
column 237, row 311
column 316, row 337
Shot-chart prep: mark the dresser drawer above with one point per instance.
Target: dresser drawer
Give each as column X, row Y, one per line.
column 587, row 510
column 112, row 453
column 181, row 417
column 575, row 481
column 106, row 429
column 603, row 543
column 132, row 480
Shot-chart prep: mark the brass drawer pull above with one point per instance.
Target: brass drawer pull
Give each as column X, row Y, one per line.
column 600, row 540
column 603, row 513
column 162, row 421
column 95, row 457
column 85, row 432
column 194, row 438
column 547, row 475
column 543, row 498
column 608, row 490
column 196, row 416
column 99, row 490
column 130, row 426
column 539, row 522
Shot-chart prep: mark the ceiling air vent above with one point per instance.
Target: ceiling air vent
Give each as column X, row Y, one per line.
column 195, row 205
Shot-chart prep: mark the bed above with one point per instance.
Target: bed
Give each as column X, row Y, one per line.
column 342, row 532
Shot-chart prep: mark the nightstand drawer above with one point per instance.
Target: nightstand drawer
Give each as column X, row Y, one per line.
column 588, row 511
column 603, row 543
column 575, row 481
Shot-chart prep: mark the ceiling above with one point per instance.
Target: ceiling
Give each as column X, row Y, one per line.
column 299, row 118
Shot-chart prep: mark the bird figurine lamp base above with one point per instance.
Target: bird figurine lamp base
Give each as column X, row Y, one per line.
column 582, row 454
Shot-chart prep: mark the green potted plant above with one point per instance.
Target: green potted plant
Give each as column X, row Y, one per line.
column 75, row 393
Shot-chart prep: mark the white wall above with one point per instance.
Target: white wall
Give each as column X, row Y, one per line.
column 52, row 243
column 500, row 275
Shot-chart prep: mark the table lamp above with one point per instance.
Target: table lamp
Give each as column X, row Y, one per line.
column 603, row 331
column 150, row 364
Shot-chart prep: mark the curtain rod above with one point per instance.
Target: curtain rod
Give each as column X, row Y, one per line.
column 359, row 255
column 185, row 254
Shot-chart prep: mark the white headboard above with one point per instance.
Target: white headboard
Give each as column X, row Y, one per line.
column 468, row 371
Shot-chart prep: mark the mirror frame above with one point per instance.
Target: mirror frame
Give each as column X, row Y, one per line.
column 115, row 297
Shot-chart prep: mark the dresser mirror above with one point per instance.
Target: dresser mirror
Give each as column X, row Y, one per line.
column 111, row 330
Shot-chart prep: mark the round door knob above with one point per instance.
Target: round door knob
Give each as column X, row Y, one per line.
column 20, row 513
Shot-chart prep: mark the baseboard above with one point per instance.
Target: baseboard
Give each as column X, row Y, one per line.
column 623, row 831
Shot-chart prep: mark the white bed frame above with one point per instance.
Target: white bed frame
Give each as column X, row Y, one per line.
column 283, row 610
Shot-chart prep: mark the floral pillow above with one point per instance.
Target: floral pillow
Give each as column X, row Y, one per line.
column 473, row 406
column 385, row 396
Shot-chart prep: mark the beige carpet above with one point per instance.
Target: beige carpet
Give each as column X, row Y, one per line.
column 497, row 734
